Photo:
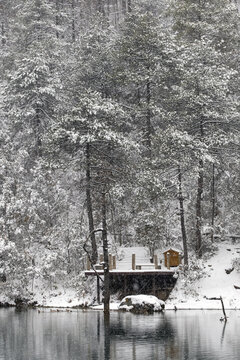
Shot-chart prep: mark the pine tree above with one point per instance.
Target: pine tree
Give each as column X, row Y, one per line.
column 203, row 90
column 30, row 105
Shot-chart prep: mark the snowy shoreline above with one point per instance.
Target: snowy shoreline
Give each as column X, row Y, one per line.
column 192, row 291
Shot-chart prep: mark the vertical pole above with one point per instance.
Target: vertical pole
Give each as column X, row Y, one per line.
column 105, row 254
column 182, row 216
column 98, row 290
column 101, row 258
column 154, row 285
column 133, row 262
column 156, row 261
column 110, row 262
column 213, row 201
column 89, row 204
column 125, row 285
column 114, row 262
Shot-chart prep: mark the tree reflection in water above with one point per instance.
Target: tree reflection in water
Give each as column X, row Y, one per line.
column 45, row 335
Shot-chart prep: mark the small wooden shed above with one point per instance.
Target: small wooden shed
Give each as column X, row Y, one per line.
column 172, row 257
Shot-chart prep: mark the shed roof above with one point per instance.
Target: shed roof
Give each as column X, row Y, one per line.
column 172, row 249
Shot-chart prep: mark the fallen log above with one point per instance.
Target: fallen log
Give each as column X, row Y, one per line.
column 223, row 308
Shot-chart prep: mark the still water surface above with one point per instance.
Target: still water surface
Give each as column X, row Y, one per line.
column 81, row 335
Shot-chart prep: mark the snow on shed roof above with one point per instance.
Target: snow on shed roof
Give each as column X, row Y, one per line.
column 173, row 249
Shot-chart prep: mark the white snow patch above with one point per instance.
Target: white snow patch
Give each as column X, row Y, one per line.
column 214, row 283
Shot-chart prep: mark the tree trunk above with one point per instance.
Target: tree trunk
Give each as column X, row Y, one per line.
column 199, row 193
column 105, row 255
column 73, row 22
column 89, row 205
column 148, row 122
column 3, row 34
column 100, row 7
column 182, row 216
column 199, row 209
column 57, row 17
column 213, row 200
column 37, row 131
column 129, row 5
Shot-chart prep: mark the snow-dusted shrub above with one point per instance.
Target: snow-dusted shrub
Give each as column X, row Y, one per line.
column 236, row 264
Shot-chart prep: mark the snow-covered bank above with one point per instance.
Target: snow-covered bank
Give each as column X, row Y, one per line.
column 60, row 295
column 206, row 279
column 191, row 292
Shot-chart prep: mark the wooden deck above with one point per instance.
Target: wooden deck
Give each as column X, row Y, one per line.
column 124, row 282
column 133, row 272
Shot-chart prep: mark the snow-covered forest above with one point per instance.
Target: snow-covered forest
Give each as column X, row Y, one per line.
column 121, row 115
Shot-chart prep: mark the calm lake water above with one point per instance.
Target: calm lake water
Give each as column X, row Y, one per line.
column 81, row 335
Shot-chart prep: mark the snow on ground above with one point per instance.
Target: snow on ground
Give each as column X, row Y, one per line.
column 209, row 279
column 214, row 283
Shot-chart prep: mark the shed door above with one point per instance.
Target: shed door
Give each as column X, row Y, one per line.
column 174, row 259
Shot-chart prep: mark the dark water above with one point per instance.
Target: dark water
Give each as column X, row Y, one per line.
column 188, row 335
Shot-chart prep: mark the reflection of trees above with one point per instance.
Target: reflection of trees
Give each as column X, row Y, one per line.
column 156, row 330
column 135, row 326
column 84, row 335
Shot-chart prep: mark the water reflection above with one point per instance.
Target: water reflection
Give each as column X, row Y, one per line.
column 187, row 335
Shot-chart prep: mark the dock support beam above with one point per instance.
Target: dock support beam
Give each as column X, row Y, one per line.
column 125, row 285
column 154, row 285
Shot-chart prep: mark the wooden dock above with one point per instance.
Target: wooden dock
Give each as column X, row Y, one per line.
column 136, row 275
column 151, row 282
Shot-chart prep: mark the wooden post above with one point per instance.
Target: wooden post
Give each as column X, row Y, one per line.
column 154, row 285
column 98, row 290
column 156, row 261
column 125, row 285
column 168, row 260
column 114, row 262
column 110, row 262
column 101, row 258
column 88, row 264
column 133, row 262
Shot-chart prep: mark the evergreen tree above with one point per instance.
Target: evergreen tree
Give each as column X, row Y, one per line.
column 203, row 99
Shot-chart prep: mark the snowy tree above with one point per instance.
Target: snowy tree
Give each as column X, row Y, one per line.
column 203, row 92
